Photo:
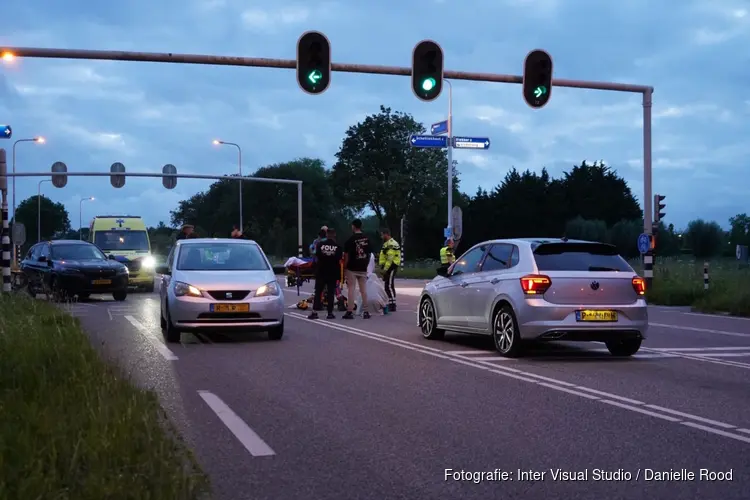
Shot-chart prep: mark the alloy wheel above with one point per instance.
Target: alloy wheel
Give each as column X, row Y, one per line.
column 504, row 332
column 427, row 318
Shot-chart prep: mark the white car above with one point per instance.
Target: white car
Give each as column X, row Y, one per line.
column 216, row 283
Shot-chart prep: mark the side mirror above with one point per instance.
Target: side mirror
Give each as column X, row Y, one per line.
column 42, row 258
column 111, row 257
column 162, row 270
column 442, row 271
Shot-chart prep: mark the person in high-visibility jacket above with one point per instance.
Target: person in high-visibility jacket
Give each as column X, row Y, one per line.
column 389, row 260
column 447, row 257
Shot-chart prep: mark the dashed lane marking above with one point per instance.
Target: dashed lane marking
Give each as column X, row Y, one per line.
column 158, row 345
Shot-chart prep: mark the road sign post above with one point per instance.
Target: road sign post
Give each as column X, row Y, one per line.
column 169, row 182
column 428, row 141
column 6, row 132
column 644, row 243
column 117, row 181
column 439, row 128
column 457, row 221
column 5, row 236
column 471, row 142
column 61, row 179
column 19, row 233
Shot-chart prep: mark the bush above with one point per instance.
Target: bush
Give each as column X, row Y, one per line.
column 71, row 426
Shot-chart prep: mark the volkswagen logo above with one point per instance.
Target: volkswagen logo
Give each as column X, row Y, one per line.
column 595, row 285
column 229, row 294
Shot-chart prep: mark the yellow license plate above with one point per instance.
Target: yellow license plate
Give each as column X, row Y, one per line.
column 230, row 308
column 101, row 282
column 589, row 315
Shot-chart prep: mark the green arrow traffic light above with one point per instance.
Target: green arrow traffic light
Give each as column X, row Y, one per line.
column 540, row 91
column 314, row 76
column 428, row 84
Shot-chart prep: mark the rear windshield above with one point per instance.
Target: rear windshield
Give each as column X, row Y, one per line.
column 579, row 257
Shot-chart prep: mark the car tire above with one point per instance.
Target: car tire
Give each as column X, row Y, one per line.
column 276, row 333
column 55, row 293
column 428, row 320
column 162, row 321
column 623, row 348
column 505, row 333
column 120, row 296
column 31, row 289
column 171, row 334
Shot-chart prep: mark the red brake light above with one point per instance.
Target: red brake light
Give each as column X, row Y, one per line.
column 535, row 284
column 639, row 285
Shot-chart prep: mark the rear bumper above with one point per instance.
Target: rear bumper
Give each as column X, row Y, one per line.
column 543, row 321
column 193, row 313
column 82, row 284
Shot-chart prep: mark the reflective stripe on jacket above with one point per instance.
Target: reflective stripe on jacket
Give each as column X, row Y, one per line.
column 446, row 255
column 390, row 254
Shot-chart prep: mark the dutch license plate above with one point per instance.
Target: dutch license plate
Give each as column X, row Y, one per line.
column 101, row 282
column 230, row 308
column 589, row 315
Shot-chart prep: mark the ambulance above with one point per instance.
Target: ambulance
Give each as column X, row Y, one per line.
column 125, row 238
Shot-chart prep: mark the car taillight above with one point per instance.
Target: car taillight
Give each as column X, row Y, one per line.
column 639, row 285
column 535, row 284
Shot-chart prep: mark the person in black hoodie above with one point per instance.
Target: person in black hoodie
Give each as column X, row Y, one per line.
column 328, row 255
column 357, row 253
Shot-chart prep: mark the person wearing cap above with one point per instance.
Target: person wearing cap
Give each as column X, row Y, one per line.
column 447, row 257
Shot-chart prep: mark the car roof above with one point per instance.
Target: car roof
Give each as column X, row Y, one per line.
column 70, row 242
column 214, row 240
column 535, row 242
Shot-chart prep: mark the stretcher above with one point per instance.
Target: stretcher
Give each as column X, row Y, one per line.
column 300, row 271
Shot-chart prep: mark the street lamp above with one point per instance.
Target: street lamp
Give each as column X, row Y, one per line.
column 239, row 163
column 80, row 216
column 39, row 210
column 38, row 140
column 8, row 56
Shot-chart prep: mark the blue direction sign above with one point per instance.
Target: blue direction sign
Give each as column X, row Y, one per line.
column 428, row 141
column 6, row 132
column 644, row 243
column 471, row 143
column 439, row 128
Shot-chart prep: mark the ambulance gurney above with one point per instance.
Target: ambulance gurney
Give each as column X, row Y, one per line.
column 338, row 296
column 299, row 271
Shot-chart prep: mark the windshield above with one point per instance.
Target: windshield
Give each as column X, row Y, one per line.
column 221, row 257
column 77, row 252
column 579, row 257
column 121, row 240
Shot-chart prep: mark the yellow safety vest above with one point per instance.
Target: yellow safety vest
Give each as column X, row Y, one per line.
column 390, row 254
column 446, row 255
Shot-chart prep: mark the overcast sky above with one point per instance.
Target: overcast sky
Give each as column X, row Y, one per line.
column 695, row 54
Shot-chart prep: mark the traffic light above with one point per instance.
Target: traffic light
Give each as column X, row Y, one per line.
column 659, row 206
column 313, row 62
column 537, row 78
column 427, row 70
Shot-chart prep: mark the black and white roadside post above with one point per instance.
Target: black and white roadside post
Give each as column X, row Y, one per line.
column 6, row 225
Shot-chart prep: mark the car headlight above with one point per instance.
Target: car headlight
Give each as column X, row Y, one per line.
column 148, row 262
column 68, row 270
column 182, row 289
column 269, row 289
column 123, row 270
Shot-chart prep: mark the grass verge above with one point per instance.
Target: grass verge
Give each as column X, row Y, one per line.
column 72, row 427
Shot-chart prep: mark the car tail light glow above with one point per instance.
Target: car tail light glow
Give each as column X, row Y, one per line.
column 535, row 284
column 639, row 285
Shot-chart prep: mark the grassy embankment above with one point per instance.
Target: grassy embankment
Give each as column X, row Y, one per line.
column 71, row 426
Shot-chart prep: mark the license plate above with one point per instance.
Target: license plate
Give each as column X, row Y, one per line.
column 589, row 315
column 101, row 282
column 230, row 308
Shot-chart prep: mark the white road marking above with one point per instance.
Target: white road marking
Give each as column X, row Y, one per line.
column 492, row 358
column 464, row 353
column 703, row 358
column 699, row 349
column 710, row 355
column 744, row 430
column 556, row 384
column 701, row 330
column 708, row 315
column 244, row 434
column 163, row 350
column 109, row 313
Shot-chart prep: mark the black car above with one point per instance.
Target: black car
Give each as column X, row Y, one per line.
column 63, row 268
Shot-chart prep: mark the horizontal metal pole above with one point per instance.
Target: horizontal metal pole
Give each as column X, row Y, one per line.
column 149, row 174
column 258, row 62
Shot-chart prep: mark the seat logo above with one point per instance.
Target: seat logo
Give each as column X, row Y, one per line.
column 229, row 295
column 595, row 285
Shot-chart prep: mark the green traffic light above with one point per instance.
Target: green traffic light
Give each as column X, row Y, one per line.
column 314, row 76
column 428, row 84
column 540, row 91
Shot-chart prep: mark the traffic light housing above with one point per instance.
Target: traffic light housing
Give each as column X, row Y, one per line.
column 313, row 62
column 659, row 207
column 427, row 70
column 537, row 78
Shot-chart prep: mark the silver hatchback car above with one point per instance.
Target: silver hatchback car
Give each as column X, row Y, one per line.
column 211, row 283
column 539, row 290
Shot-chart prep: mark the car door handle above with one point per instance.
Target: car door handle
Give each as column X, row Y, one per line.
column 464, row 284
column 495, row 281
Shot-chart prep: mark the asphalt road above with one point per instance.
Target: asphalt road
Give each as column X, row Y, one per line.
column 368, row 409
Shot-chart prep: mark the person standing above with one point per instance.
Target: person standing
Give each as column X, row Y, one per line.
column 357, row 252
column 236, row 232
column 389, row 260
column 328, row 256
column 186, row 232
column 321, row 236
column 447, row 257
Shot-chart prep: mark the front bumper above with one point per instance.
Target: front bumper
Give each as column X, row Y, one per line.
column 142, row 278
column 543, row 321
column 193, row 313
column 79, row 283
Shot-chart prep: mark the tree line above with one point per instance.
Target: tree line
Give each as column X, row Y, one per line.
column 380, row 178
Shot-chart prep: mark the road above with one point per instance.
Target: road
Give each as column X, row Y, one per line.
column 368, row 409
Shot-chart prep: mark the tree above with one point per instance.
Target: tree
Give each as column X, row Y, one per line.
column 376, row 168
column 706, row 239
column 739, row 233
column 55, row 220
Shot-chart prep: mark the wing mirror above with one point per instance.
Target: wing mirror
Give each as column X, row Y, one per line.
column 42, row 258
column 111, row 257
column 162, row 270
column 442, row 271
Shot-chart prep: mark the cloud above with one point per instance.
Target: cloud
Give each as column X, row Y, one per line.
column 145, row 115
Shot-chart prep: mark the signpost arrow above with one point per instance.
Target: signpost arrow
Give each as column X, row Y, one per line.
column 428, row 141
column 439, row 128
column 315, row 76
column 471, row 143
column 644, row 243
column 6, row 132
